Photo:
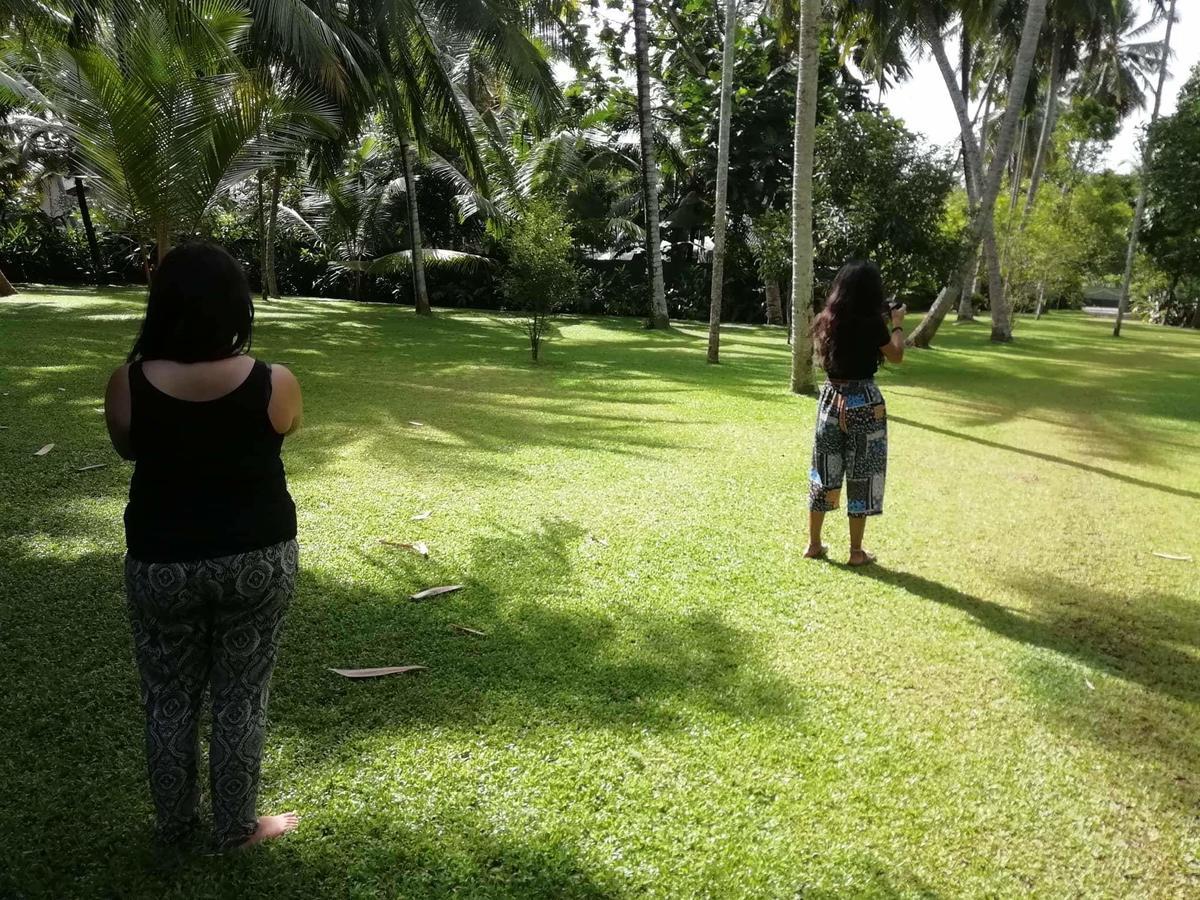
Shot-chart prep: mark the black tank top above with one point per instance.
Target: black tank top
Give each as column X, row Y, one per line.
column 208, row 480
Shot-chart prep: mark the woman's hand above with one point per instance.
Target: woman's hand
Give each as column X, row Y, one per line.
column 898, row 314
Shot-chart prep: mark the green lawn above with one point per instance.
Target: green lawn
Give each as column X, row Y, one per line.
column 668, row 700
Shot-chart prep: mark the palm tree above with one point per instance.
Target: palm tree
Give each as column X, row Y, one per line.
column 659, row 316
column 164, row 118
column 352, row 218
column 1139, row 210
column 1119, row 66
column 982, row 226
column 718, row 259
column 802, row 195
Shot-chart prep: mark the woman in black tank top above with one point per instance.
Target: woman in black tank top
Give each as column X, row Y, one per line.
column 210, row 533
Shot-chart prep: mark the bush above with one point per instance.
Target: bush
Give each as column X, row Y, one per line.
column 539, row 276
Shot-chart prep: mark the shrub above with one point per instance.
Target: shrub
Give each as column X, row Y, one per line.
column 539, row 276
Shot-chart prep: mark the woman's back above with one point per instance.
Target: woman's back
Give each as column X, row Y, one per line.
column 208, row 479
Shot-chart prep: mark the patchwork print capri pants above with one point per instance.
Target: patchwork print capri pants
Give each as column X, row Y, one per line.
column 850, row 443
column 212, row 625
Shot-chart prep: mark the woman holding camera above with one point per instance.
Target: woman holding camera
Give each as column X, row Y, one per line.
column 852, row 338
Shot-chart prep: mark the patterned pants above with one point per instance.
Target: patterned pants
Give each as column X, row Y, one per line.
column 851, row 441
column 214, row 623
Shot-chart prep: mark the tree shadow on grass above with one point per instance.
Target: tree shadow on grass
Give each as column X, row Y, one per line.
column 1049, row 457
column 1110, row 396
column 546, row 658
column 70, row 725
column 1149, row 640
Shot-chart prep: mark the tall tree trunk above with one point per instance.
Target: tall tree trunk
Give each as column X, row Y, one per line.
column 420, row 294
column 1049, row 119
column 966, row 302
column 1195, row 313
column 718, row 259
column 90, row 231
column 1041, row 299
column 970, row 286
column 263, row 238
column 272, row 231
column 1014, row 192
column 6, row 288
column 964, row 73
column 1140, row 209
column 162, row 237
column 659, row 317
column 774, row 302
column 982, row 227
column 802, row 195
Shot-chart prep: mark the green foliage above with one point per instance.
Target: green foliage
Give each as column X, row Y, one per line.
column 770, row 241
column 164, row 117
column 879, row 194
column 539, row 275
column 1172, row 233
column 1073, row 238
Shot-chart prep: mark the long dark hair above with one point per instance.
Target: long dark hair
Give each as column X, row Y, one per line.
column 854, row 304
column 199, row 307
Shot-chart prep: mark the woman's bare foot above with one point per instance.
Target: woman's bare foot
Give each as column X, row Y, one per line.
column 861, row 557
column 271, row 827
column 816, row 551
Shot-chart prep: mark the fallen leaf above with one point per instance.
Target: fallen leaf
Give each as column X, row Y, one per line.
column 44, row 450
column 417, row 424
column 375, row 673
column 415, row 546
column 1091, row 687
column 592, row 539
column 91, row 467
column 98, row 409
column 465, row 630
column 1173, row 556
column 421, row 517
column 3, row 428
column 64, row 390
column 436, row 591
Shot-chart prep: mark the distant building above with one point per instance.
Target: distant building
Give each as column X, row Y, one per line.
column 1099, row 300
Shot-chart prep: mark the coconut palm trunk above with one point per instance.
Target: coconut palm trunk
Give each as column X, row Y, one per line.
column 659, row 317
column 1140, row 209
column 970, row 287
column 162, row 238
column 982, row 227
column 420, row 294
column 6, row 288
column 802, row 196
column 1049, row 119
column 263, row 240
column 89, row 231
column 774, row 303
column 271, row 281
column 718, row 259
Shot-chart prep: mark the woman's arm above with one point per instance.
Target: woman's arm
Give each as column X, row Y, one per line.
column 117, row 412
column 893, row 350
column 287, row 405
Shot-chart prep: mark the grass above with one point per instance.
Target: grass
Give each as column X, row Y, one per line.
column 668, row 700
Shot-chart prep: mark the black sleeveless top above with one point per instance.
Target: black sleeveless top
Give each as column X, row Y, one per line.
column 208, row 480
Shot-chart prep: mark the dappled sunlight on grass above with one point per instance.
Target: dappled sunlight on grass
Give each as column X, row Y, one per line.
column 666, row 700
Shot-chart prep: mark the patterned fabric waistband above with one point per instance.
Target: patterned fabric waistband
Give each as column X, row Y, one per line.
column 849, row 387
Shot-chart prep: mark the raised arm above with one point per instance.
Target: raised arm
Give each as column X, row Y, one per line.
column 893, row 350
